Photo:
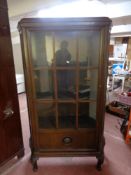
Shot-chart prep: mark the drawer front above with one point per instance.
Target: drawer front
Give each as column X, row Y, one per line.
column 67, row 139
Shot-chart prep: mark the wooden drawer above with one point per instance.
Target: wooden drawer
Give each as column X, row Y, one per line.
column 68, row 139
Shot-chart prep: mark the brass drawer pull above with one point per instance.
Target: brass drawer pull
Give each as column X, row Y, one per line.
column 67, row 140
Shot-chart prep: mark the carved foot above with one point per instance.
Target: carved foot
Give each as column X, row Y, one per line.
column 100, row 156
column 100, row 162
column 35, row 166
column 34, row 163
column 33, row 158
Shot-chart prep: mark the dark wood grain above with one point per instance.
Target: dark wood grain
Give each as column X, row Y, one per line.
column 11, row 142
column 3, row 4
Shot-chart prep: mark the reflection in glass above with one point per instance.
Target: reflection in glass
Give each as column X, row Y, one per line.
column 87, row 115
column 65, row 49
column 89, row 43
column 46, row 115
column 88, row 84
column 67, row 115
column 63, row 56
column 44, row 84
column 66, row 84
column 41, row 48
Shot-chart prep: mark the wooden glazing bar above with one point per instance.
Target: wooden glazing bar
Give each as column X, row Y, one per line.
column 88, row 68
column 65, row 68
column 54, row 101
column 89, row 101
column 65, row 101
column 55, row 82
column 77, row 81
column 43, row 68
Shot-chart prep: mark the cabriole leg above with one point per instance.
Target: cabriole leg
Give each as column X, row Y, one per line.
column 100, row 162
column 100, row 157
column 33, row 158
column 34, row 163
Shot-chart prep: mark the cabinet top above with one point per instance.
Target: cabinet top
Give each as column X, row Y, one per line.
column 86, row 21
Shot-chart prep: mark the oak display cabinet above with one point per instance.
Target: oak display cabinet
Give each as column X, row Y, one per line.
column 65, row 64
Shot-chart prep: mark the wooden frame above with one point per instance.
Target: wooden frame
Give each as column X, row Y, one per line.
column 93, row 146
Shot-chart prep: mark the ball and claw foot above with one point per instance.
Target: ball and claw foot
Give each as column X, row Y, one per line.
column 33, row 161
column 98, row 166
column 35, row 167
column 100, row 162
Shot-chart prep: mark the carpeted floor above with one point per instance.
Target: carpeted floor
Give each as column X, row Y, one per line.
column 117, row 154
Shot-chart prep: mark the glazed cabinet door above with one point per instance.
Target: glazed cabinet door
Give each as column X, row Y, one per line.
column 65, row 63
column 64, row 70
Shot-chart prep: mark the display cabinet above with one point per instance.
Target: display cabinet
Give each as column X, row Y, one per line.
column 65, row 64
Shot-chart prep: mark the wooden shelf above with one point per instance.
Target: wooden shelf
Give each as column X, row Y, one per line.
column 64, row 101
column 64, row 68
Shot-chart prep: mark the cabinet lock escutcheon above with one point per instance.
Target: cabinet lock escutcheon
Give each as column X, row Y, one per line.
column 67, row 140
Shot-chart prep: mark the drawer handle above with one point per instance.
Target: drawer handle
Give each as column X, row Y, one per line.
column 67, row 140
column 8, row 112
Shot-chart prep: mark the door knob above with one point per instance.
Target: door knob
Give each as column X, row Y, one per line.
column 8, row 112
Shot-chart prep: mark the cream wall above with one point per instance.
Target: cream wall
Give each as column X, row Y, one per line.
column 17, row 58
column 17, row 7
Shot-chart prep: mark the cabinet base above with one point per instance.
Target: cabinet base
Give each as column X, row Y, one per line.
column 98, row 155
column 33, row 161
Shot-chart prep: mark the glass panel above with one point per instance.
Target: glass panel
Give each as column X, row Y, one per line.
column 66, row 84
column 67, row 115
column 41, row 48
column 65, row 49
column 87, row 115
column 89, row 43
column 88, row 84
column 44, row 84
column 46, row 115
